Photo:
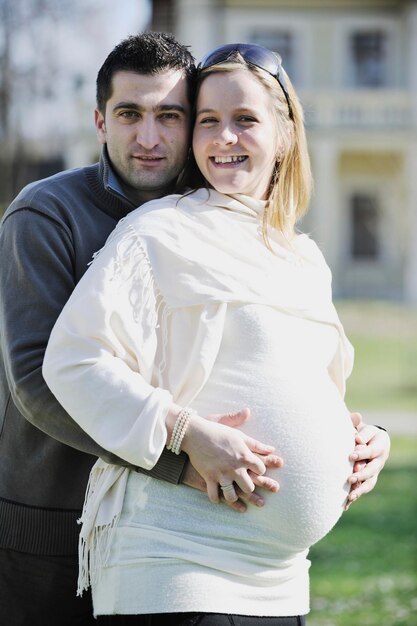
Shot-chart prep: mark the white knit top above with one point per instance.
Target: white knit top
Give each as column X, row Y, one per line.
column 225, row 341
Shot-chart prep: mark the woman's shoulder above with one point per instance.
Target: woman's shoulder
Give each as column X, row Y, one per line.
column 309, row 249
column 154, row 209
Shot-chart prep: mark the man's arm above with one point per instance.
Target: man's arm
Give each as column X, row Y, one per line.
column 36, row 279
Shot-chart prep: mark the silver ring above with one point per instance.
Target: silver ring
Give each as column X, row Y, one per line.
column 227, row 488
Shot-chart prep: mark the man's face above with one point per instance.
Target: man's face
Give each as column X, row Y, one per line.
column 146, row 129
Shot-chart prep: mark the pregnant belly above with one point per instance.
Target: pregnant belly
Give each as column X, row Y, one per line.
column 306, row 420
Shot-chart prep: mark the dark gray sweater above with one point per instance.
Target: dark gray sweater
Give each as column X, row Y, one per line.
column 47, row 238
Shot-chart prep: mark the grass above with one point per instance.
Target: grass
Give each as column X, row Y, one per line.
column 365, row 571
column 385, row 374
column 384, row 336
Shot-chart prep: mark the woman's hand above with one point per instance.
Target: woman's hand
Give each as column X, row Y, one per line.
column 224, row 456
column 271, row 461
column 192, row 478
column 369, row 457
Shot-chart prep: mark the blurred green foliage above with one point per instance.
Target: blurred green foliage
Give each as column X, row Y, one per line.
column 384, row 336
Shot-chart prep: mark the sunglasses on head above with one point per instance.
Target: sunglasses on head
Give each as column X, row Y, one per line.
column 251, row 53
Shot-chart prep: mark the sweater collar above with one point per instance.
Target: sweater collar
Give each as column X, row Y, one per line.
column 110, row 179
column 107, row 189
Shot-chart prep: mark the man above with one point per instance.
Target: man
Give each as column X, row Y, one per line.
column 47, row 238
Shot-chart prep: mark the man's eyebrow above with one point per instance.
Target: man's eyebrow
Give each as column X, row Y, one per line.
column 126, row 105
column 134, row 106
column 171, row 107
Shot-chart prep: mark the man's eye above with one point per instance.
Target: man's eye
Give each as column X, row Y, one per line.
column 170, row 116
column 129, row 115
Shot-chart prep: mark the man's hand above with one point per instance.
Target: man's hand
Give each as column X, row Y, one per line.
column 369, row 457
column 193, row 479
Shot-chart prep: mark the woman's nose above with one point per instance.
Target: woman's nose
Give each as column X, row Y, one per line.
column 226, row 136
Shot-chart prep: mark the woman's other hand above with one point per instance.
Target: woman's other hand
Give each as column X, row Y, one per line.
column 369, row 456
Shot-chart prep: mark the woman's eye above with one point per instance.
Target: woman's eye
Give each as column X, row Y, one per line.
column 207, row 120
column 246, row 119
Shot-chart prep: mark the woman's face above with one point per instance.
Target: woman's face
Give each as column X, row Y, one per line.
column 235, row 138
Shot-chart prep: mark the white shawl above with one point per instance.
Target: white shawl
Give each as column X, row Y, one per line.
column 112, row 361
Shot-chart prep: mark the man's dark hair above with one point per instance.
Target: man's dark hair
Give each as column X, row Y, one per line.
column 146, row 53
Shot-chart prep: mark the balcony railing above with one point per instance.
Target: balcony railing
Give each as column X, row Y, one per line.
column 358, row 109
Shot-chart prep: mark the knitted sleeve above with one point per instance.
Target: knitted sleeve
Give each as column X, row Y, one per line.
column 36, row 279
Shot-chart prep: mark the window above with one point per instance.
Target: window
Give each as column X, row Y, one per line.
column 278, row 41
column 365, row 227
column 369, row 62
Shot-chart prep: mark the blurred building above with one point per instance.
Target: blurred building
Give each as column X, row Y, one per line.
column 50, row 53
column 354, row 64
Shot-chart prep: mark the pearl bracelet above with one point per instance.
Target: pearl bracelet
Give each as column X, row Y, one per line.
column 178, row 432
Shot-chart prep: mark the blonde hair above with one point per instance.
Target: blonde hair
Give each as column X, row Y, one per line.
column 291, row 181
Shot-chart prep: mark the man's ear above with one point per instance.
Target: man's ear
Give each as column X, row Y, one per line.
column 100, row 126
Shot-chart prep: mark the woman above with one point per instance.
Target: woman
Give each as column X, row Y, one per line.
column 201, row 304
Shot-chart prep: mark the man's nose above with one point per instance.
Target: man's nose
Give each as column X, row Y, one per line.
column 147, row 135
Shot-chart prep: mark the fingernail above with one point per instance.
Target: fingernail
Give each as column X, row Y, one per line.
column 354, row 456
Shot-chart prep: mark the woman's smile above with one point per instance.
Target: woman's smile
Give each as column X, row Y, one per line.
column 228, row 161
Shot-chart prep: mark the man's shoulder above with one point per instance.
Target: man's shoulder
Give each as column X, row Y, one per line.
column 52, row 192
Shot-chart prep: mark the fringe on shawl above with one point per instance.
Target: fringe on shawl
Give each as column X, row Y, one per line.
column 95, row 541
column 131, row 263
